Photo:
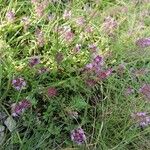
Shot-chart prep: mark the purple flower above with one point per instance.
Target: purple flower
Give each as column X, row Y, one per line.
column 51, row 92
column 78, row 136
column 93, row 48
column 143, row 42
column 18, row 108
column 26, row 23
column 140, row 72
column 77, row 48
column 89, row 66
column 109, row 25
column 34, row 61
column 51, row 17
column 40, row 37
column 88, row 29
column 73, row 114
column 145, row 90
column 80, row 21
column 142, row 118
column 42, row 70
column 90, row 82
column 68, row 36
column 59, row 57
column 98, row 60
column 105, row 74
column 121, row 69
column 67, row 14
column 10, row 16
column 18, row 83
column 128, row 91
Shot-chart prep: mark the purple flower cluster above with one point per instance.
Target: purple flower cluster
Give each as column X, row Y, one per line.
column 10, row 16
column 143, row 42
column 78, row 136
column 80, row 21
column 145, row 90
column 34, row 61
column 18, row 83
column 51, row 92
column 93, row 48
column 109, row 25
column 40, row 37
column 67, row 14
column 142, row 118
column 128, row 91
column 42, row 70
column 18, row 108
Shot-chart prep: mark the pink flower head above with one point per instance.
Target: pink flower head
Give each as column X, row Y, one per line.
column 121, row 69
column 128, row 91
column 39, row 10
column 51, row 17
column 89, row 66
column 42, row 70
column 25, row 21
column 142, row 118
column 10, row 16
column 98, row 60
column 59, row 57
column 34, row 61
column 18, row 83
column 18, row 109
column 73, row 114
column 80, row 21
column 52, row 92
column 105, row 74
column 67, row 14
column 89, row 29
column 77, row 48
column 143, row 42
column 90, row 82
column 145, row 90
column 140, row 72
column 68, row 35
column 93, row 48
column 78, row 136
column 40, row 37
column 109, row 25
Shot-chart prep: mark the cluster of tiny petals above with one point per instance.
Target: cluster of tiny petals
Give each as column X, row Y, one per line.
column 93, row 48
column 128, row 91
column 145, row 90
column 142, row 118
column 18, row 108
column 80, row 21
column 109, row 25
column 67, row 14
column 42, row 70
column 143, row 42
column 51, row 92
column 105, row 73
column 34, row 61
column 89, row 29
column 40, row 37
column 77, row 48
column 10, row 16
column 78, row 136
column 66, row 33
column 90, row 82
column 18, row 83
column 121, row 69
column 96, row 63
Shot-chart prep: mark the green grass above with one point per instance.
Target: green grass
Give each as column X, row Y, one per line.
column 104, row 110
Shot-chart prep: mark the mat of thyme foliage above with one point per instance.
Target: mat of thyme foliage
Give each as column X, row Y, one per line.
column 75, row 74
